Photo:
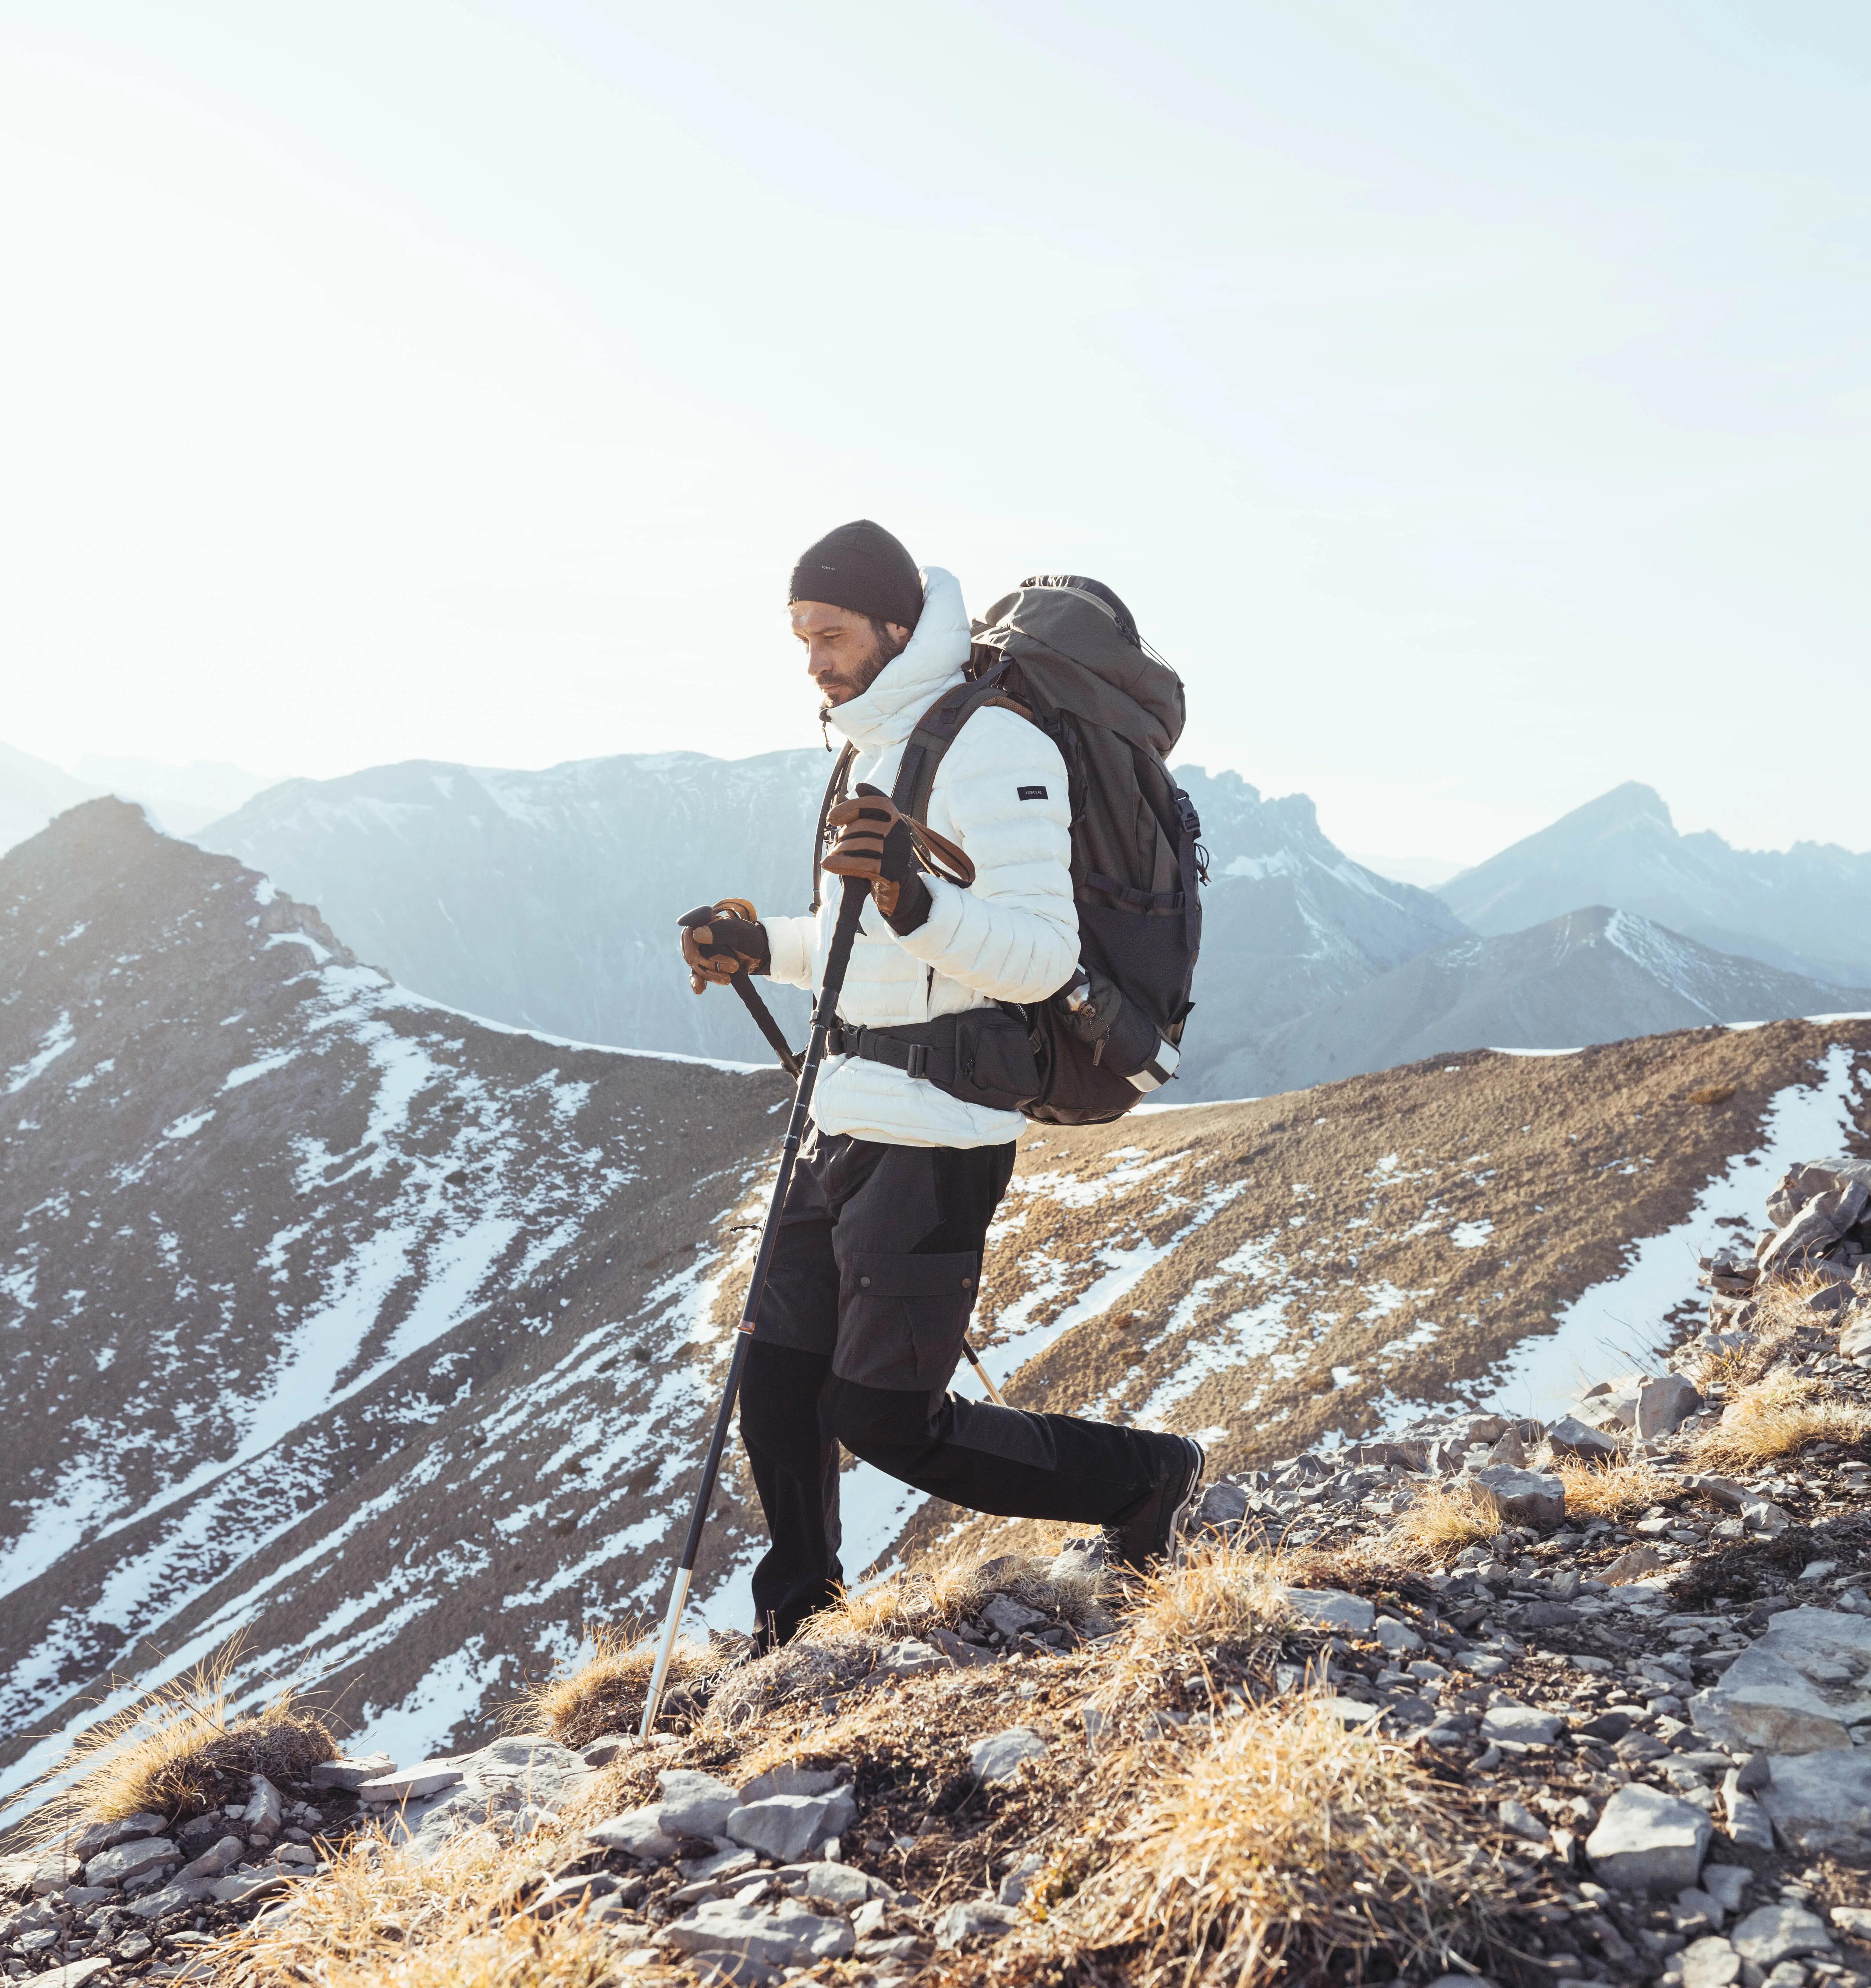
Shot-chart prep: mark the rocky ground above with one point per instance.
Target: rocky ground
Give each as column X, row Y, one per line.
column 1588, row 1702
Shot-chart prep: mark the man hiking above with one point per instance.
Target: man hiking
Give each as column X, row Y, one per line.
column 879, row 1253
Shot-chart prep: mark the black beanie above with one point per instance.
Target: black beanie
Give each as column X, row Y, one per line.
column 860, row 566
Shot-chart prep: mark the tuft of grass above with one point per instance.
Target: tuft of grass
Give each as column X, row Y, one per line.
column 1287, row 1848
column 181, row 1749
column 1612, row 1489
column 380, row 1915
column 1443, row 1519
column 604, row 1695
column 1774, row 1416
column 907, row 1604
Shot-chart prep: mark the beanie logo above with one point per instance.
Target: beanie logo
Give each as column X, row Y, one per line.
column 1032, row 794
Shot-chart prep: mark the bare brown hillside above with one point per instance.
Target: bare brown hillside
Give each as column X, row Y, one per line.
column 1272, row 1274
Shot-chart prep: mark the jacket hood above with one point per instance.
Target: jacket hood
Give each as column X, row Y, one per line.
column 931, row 662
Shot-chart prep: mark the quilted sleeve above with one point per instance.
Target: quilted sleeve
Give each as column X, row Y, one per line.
column 1001, row 793
column 790, row 943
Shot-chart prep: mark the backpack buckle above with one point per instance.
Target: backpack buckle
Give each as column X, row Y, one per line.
column 918, row 1062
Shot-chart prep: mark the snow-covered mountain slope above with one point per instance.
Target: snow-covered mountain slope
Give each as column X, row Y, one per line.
column 1592, row 976
column 548, row 899
column 318, row 1302
column 387, row 1340
column 31, row 792
column 1806, row 910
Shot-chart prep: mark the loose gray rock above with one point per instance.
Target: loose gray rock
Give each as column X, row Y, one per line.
column 1727, row 1884
column 1013, row 1888
column 1773, row 1933
column 1709, row 1962
column 1522, row 1822
column 1854, row 1919
column 792, row 1780
column 113, row 1867
column 1648, row 1840
column 910, row 1657
column 218, row 1857
column 1013, row 1618
column 840, row 1884
column 787, row 1934
column 1524, row 1497
column 239, row 1886
column 1522, row 1725
column 786, row 1827
column 1571, row 1437
column 74, row 1973
column 352, row 1771
column 638, row 1832
column 1664, row 1404
column 1748, row 1824
column 158, row 1904
column 997, row 1757
column 265, row 1808
column 1398, row 1637
column 693, row 1804
column 973, row 1918
column 1222, row 1504
column 1331, row 1608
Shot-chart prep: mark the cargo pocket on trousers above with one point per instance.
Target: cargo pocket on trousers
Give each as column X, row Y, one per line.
column 901, row 1318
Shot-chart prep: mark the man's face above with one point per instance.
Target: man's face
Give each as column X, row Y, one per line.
column 844, row 656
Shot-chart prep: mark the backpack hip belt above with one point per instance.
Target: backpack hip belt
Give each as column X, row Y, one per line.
column 982, row 1056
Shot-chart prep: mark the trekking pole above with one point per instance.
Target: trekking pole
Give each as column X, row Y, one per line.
column 763, row 1016
column 851, row 906
column 980, row 1373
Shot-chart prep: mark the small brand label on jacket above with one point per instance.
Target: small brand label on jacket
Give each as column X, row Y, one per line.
column 1032, row 794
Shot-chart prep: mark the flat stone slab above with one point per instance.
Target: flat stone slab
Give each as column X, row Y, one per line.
column 416, row 1783
column 1798, row 1690
column 1522, row 1726
column 1331, row 1608
column 352, row 1771
column 1820, row 1802
column 1773, row 1933
column 787, row 1935
column 1524, row 1497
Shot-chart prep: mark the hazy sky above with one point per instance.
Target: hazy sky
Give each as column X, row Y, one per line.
column 1471, row 400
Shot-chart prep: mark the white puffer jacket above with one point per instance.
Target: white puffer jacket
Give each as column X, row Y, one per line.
column 1012, row 936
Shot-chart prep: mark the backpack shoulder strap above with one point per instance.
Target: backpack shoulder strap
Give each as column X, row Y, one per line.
column 834, row 793
column 937, row 730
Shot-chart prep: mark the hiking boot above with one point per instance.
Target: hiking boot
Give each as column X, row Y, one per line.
column 1151, row 1531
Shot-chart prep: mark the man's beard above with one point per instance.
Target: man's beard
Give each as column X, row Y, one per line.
column 885, row 649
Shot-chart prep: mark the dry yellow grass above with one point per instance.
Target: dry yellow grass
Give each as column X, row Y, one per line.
column 605, row 1693
column 1612, row 1490
column 1443, row 1519
column 181, row 1749
column 1288, row 1848
column 379, row 1915
column 1774, row 1416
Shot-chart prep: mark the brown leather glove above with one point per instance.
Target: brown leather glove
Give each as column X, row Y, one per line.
column 715, row 952
column 891, row 849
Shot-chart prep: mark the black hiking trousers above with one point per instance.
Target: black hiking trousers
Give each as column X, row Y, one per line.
column 859, row 1332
